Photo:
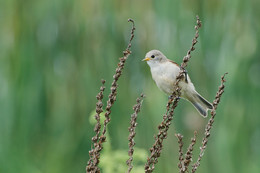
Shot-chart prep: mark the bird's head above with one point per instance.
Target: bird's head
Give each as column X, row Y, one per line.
column 154, row 57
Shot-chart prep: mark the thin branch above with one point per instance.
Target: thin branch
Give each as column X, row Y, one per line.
column 194, row 41
column 210, row 124
column 170, row 107
column 113, row 93
column 179, row 137
column 188, row 155
column 157, row 146
column 95, row 153
column 131, row 129
column 188, row 55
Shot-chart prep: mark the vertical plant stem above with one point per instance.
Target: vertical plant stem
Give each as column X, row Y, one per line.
column 94, row 152
column 131, row 129
column 180, row 142
column 210, row 124
column 99, row 140
column 188, row 155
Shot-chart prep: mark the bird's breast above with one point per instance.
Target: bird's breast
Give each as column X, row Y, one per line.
column 165, row 77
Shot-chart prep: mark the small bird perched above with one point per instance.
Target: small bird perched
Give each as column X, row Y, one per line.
column 164, row 73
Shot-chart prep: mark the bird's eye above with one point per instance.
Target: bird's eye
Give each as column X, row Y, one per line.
column 152, row 56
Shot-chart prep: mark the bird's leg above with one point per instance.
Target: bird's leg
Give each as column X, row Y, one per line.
column 185, row 74
column 170, row 97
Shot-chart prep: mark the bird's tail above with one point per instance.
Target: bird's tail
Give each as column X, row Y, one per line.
column 201, row 104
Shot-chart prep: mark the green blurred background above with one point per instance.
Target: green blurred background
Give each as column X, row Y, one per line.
column 53, row 54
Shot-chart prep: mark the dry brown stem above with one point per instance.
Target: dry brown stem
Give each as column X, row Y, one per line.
column 188, row 155
column 210, row 123
column 94, row 152
column 99, row 140
column 131, row 129
column 170, row 107
column 113, row 93
column 180, row 142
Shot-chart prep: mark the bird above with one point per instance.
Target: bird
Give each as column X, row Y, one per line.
column 164, row 72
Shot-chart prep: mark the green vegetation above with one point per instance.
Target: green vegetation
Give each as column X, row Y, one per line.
column 53, row 55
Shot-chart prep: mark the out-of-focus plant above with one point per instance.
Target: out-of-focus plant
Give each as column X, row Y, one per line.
column 115, row 160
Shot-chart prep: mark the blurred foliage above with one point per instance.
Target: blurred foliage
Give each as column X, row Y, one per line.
column 115, row 160
column 54, row 53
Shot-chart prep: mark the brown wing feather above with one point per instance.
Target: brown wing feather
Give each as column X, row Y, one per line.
column 174, row 63
column 186, row 80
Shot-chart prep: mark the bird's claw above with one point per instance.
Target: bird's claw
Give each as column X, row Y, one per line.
column 170, row 97
column 185, row 74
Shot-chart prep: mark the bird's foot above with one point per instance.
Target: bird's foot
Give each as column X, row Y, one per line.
column 170, row 97
column 185, row 74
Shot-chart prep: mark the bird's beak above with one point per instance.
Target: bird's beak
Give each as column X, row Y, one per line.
column 146, row 59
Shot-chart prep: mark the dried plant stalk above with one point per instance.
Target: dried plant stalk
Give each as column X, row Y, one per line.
column 188, row 55
column 98, row 141
column 210, row 124
column 94, row 153
column 131, row 129
column 113, row 93
column 170, row 107
column 180, row 142
column 188, row 155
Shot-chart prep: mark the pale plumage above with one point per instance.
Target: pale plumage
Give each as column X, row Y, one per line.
column 164, row 73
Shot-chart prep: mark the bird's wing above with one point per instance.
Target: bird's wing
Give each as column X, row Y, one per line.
column 174, row 62
column 185, row 72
